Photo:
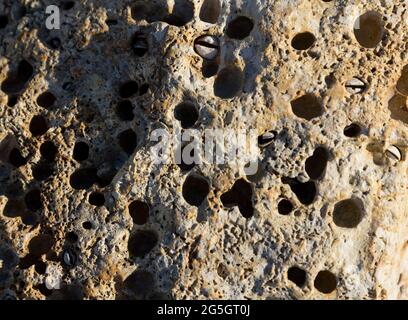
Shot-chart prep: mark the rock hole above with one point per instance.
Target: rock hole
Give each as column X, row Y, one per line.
column 229, row 82
column 303, row 41
column 195, row 190
column 305, row 192
column 33, row 200
column 285, row 207
column 139, row 44
column 183, row 13
column 81, row 151
column 140, row 283
column 124, row 110
column 139, row 211
column 16, row 159
column 48, row 151
column 42, row 171
column 353, row 130
column 325, row 282
column 369, row 29
column 348, row 213
column 96, row 199
column 128, row 89
column 398, row 108
column 209, row 69
column 141, row 243
column 316, row 164
column 297, row 276
column 3, row 21
column 307, row 107
column 128, row 141
column 40, row 245
column 54, row 43
column 187, row 114
column 83, row 179
column 87, row 225
column 210, row 11
column 17, row 80
column 38, row 126
column 40, row 267
column 67, row 5
column 240, row 195
column 240, row 28
column 72, row 237
column 144, row 88
column 12, row 101
column 46, row 100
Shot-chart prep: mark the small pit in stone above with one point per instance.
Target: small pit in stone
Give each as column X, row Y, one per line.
column 353, row 130
column 195, row 190
column 3, row 21
column 297, row 276
column 33, row 200
column 316, row 164
column 48, row 151
column 139, row 211
column 240, row 28
column 40, row 245
column 325, row 282
column 96, row 199
column 124, row 110
column 305, row 191
column 17, row 80
column 369, row 29
column 16, row 159
column 42, row 171
column 81, row 151
column 83, row 179
column 307, row 107
column 38, row 126
column 128, row 141
column 141, row 243
column 187, row 113
column 140, row 283
column 285, row 207
column 348, row 213
column 303, row 41
column 229, row 82
column 210, row 11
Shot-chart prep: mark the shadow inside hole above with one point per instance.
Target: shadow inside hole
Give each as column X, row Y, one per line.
column 315, row 165
column 195, row 190
column 210, row 11
column 139, row 211
column 128, row 89
column 33, row 200
column 48, row 151
column 140, row 283
column 240, row 28
column 42, row 171
column 285, row 207
column 325, row 282
column 348, row 213
column 240, row 195
column 16, row 159
column 369, row 29
column 83, row 179
column 18, row 79
column 307, row 107
column 303, row 41
column 81, row 151
column 187, row 113
column 128, row 141
column 305, row 192
column 124, row 110
column 141, row 243
column 46, row 100
column 38, row 126
column 229, row 82
column 209, row 68
column 297, row 276
column 96, row 199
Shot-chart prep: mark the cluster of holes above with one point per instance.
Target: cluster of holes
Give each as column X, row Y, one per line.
column 325, row 281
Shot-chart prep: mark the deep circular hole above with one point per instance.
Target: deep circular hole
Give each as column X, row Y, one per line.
column 229, row 82
column 210, row 11
column 141, row 243
column 96, row 199
column 369, row 29
column 140, row 282
column 305, row 191
column 139, row 211
column 48, row 151
column 285, row 207
column 40, row 245
column 124, row 110
column 38, row 126
column 240, row 195
column 46, row 100
column 40, row 267
column 240, row 28
column 16, row 159
column 139, row 44
column 303, row 41
column 325, row 282
column 33, row 200
column 42, row 171
column 81, row 151
column 3, row 21
column 187, row 114
column 128, row 141
column 307, row 107
column 297, row 276
column 210, row 68
column 348, row 213
column 16, row 81
column 72, row 237
column 195, row 190
column 87, row 225
column 128, row 89
column 315, row 165
column 353, row 130
column 83, row 179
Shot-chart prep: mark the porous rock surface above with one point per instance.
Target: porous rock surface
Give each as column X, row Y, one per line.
column 86, row 214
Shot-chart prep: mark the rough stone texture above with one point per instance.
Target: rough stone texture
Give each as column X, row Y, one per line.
column 349, row 214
